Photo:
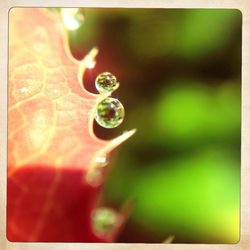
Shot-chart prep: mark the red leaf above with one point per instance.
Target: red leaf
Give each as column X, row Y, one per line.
column 51, row 145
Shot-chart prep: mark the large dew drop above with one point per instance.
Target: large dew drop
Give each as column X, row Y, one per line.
column 109, row 113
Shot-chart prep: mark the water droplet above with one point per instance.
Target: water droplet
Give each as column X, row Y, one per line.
column 110, row 113
column 104, row 219
column 106, row 82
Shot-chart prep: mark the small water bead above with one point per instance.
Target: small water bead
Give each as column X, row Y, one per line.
column 106, row 82
column 104, row 219
column 110, row 113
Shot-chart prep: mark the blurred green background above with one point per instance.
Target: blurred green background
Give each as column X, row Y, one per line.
column 180, row 75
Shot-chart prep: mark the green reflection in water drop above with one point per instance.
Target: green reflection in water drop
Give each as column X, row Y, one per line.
column 104, row 220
